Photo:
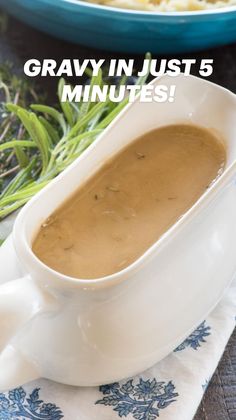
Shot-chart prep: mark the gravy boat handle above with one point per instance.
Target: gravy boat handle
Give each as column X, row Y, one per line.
column 20, row 301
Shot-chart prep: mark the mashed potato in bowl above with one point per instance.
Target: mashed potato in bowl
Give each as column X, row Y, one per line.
column 167, row 5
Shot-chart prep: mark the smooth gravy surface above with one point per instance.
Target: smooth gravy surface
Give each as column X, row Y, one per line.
column 130, row 202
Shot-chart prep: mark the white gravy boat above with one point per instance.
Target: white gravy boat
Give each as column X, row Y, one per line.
column 90, row 332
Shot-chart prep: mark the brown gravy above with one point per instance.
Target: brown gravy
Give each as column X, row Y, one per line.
column 130, row 202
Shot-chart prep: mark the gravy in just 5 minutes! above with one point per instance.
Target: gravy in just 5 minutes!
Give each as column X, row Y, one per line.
column 130, row 202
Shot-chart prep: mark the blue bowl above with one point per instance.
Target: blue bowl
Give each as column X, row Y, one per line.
column 127, row 30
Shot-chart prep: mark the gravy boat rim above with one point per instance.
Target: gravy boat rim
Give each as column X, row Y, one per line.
column 24, row 249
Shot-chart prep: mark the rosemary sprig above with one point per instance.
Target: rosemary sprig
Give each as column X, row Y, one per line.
column 37, row 144
column 14, row 157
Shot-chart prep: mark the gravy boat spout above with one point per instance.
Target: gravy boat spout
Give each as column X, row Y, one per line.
column 92, row 332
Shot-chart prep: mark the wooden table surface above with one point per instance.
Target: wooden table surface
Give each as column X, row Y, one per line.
column 219, row 402
column 20, row 43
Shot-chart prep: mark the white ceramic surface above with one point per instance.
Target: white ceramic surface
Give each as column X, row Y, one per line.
column 82, row 332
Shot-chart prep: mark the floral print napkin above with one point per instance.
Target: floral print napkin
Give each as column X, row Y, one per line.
column 170, row 390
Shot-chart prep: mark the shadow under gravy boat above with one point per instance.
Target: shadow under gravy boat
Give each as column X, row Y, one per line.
column 91, row 332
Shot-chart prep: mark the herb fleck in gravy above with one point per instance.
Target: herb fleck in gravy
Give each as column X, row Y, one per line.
column 130, row 202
